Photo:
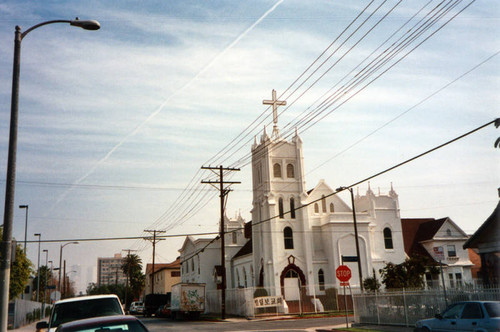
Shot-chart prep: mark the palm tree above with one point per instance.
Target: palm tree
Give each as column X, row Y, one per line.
column 132, row 268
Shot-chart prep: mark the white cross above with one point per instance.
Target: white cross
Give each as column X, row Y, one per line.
column 275, row 104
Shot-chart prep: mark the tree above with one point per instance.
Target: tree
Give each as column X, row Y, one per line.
column 371, row 284
column 20, row 271
column 45, row 277
column 118, row 289
column 132, row 267
column 409, row 274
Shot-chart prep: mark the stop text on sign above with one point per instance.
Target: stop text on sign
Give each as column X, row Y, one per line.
column 343, row 273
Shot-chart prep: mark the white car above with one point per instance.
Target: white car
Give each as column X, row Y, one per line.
column 137, row 308
column 77, row 308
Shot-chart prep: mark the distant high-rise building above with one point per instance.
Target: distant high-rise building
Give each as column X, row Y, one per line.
column 109, row 270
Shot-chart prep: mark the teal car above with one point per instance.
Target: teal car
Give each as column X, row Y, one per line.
column 474, row 316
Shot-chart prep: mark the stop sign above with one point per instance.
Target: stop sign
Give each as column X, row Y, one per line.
column 343, row 273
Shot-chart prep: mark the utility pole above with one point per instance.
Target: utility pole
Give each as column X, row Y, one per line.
column 154, row 241
column 224, row 191
column 128, row 274
column 64, row 281
column 356, row 240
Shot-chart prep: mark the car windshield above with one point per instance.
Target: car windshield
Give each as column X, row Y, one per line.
column 493, row 309
column 128, row 326
column 70, row 311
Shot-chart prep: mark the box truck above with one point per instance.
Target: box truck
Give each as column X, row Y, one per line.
column 188, row 300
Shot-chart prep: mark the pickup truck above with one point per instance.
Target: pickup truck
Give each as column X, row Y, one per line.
column 77, row 308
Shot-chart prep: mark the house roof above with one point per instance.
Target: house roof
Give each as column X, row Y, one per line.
column 489, row 227
column 162, row 266
column 245, row 250
column 418, row 230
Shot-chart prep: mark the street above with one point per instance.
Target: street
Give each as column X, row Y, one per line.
column 164, row 324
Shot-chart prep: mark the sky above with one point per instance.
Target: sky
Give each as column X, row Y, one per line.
column 115, row 124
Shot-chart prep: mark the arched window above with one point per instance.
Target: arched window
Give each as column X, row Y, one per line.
column 288, row 237
column 235, row 237
column 292, row 208
column 316, row 208
column 245, row 278
column 332, row 208
column 388, row 238
column 321, row 280
column 280, row 208
column 277, row 170
column 238, row 278
column 448, row 232
column 290, row 171
column 323, row 204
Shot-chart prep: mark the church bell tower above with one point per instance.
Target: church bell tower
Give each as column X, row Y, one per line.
column 278, row 189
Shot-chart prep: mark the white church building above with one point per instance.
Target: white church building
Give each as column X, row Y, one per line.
column 297, row 237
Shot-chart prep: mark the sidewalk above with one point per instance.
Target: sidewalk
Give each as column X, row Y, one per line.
column 28, row 328
column 384, row 328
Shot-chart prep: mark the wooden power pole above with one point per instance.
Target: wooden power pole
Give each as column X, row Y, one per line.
column 154, row 241
column 224, row 191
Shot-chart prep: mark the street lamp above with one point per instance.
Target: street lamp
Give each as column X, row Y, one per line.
column 60, row 261
column 25, row 225
column 38, row 267
column 45, row 286
column 355, row 234
column 5, row 248
column 49, row 275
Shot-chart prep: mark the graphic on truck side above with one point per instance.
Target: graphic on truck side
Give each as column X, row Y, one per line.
column 191, row 300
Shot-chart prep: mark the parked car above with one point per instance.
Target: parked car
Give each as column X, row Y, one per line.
column 77, row 308
column 110, row 323
column 153, row 301
column 476, row 316
column 136, row 308
column 163, row 311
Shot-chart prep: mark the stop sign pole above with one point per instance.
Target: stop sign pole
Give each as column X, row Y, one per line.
column 343, row 273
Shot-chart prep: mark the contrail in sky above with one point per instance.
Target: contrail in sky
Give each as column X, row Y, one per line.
column 159, row 109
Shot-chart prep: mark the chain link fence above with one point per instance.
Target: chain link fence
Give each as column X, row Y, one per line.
column 404, row 307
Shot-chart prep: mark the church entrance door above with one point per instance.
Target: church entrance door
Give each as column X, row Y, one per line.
column 292, row 286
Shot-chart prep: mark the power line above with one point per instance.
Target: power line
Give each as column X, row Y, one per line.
column 364, row 180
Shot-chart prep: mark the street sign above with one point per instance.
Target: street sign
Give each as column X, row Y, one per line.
column 349, row 258
column 343, row 273
column 438, row 253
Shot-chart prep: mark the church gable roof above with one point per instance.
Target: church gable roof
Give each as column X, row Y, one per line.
column 188, row 240
column 322, row 188
column 245, row 250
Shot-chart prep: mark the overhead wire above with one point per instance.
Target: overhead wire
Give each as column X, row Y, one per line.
column 373, row 80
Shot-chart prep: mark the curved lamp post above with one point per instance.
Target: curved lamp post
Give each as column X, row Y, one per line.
column 5, row 248
column 38, row 267
column 60, row 262
column 25, row 225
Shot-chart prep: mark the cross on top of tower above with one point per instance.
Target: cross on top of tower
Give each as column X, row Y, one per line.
column 275, row 102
